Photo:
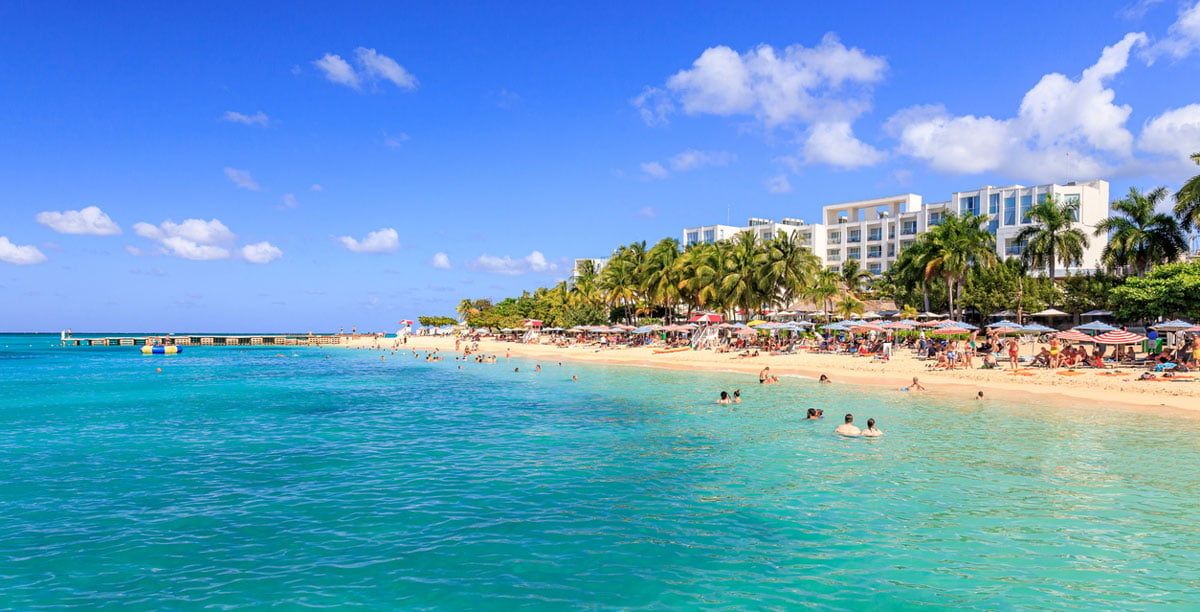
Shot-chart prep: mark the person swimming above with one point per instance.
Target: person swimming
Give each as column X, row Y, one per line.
column 824, row 379
column 870, row 431
column 724, row 398
column 812, row 415
column 915, row 386
column 574, row 377
column 764, row 375
column 737, row 396
column 979, row 396
column 848, row 428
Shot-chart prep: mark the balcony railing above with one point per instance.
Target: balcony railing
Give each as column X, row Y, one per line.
column 1014, row 251
column 854, row 239
column 908, row 231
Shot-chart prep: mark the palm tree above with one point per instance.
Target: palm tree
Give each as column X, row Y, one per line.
column 824, row 287
column 1053, row 238
column 1139, row 236
column 585, row 290
column 848, row 305
column 853, row 276
column 790, row 269
column 662, row 275
column 954, row 246
column 1187, row 201
column 909, row 268
column 618, row 280
column 741, row 283
column 464, row 308
column 701, row 267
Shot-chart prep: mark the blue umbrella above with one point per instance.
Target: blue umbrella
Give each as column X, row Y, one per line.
column 1095, row 326
column 645, row 329
column 1175, row 325
column 1037, row 328
column 1005, row 323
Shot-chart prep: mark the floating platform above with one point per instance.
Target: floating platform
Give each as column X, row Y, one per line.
column 159, row 349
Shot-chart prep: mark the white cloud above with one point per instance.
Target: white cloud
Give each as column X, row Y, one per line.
column 316, row 187
column 779, row 184
column 242, row 179
column 1057, row 118
column 1183, row 37
column 394, row 142
column 338, row 70
column 654, row 169
column 385, row 240
column 1174, row 134
column 819, row 91
column 19, row 255
column 441, row 261
column 533, row 262
column 692, row 159
column 91, row 221
column 372, row 66
column 261, row 252
column 258, row 118
column 193, row 239
column 289, row 201
column 835, row 144
column 381, row 66
column 1138, row 9
column 132, row 250
column 647, row 212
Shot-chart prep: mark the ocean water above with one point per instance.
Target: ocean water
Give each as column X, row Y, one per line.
column 248, row 477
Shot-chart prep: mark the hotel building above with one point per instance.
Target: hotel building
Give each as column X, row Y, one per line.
column 875, row 231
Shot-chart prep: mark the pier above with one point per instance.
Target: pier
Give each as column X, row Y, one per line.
column 211, row 340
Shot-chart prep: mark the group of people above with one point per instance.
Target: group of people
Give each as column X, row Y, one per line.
column 850, row 430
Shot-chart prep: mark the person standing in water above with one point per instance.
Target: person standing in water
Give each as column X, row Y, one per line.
column 848, row 428
column 870, row 431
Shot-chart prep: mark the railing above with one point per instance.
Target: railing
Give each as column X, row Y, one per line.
column 1014, row 251
column 853, row 240
column 908, row 231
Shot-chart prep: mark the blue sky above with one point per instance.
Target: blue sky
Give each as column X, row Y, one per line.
column 305, row 167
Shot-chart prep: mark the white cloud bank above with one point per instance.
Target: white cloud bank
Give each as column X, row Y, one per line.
column 1183, row 37
column 260, row 118
column 373, row 67
column 19, row 255
column 242, row 179
column 690, row 159
column 89, row 221
column 533, row 262
column 441, row 261
column 261, row 253
column 1057, row 117
column 385, row 240
column 193, row 239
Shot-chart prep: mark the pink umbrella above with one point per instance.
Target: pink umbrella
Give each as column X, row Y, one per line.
column 706, row 318
column 858, row 329
column 1118, row 336
column 1074, row 336
column 949, row 331
column 896, row 325
column 532, row 323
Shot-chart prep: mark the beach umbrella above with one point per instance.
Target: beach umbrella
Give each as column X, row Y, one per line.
column 1003, row 314
column 756, row 322
column 531, row 323
column 1097, row 313
column 1004, row 323
column 839, row 326
column 1074, row 336
column 406, row 322
column 871, row 315
column 867, row 327
column 1037, row 328
column 1118, row 336
column 1049, row 312
column 961, row 324
column 1008, row 329
column 746, row 332
column 1170, row 326
column 1191, row 330
column 801, row 324
column 930, row 315
column 1097, row 326
column 817, row 313
column 949, row 331
column 896, row 325
column 706, row 318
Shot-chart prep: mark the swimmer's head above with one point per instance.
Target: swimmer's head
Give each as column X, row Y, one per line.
column 812, row 412
column 824, row 378
column 724, row 395
column 849, row 418
column 870, row 423
column 979, row 395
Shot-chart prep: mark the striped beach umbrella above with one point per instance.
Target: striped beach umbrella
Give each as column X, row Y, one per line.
column 706, row 318
column 1074, row 336
column 1118, row 337
column 950, row 331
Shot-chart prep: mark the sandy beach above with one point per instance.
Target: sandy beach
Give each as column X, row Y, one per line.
column 1039, row 386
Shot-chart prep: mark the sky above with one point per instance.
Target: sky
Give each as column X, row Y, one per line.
column 306, row 166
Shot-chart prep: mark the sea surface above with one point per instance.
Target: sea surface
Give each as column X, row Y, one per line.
column 327, row 477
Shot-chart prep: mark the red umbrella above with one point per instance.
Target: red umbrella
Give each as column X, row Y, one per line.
column 406, row 322
column 532, row 323
column 1118, row 336
column 706, row 318
column 896, row 325
column 949, row 331
column 1074, row 336
column 858, row 329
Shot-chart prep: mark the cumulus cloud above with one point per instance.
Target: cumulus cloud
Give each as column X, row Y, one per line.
column 19, row 255
column 1056, row 118
column 242, row 179
column 258, row 118
column 385, row 240
column 1175, row 133
column 91, row 221
column 373, row 67
column 288, row 200
column 533, row 262
column 779, row 184
column 824, row 88
column 441, row 261
column 193, row 239
column 654, row 170
column 261, row 252
column 835, row 144
column 1183, row 37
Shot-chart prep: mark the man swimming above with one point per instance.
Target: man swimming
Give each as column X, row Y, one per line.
column 724, row 398
column 915, row 386
column 848, row 429
column 870, row 431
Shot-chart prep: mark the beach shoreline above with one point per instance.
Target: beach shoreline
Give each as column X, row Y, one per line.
column 1042, row 387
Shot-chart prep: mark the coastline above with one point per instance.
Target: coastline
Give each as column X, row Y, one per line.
column 1040, row 386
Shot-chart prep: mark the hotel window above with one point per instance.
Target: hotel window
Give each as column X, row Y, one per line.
column 1026, row 204
column 891, row 230
column 693, row 238
column 710, row 236
column 935, row 218
column 891, row 250
column 1073, row 198
column 835, row 237
column 909, row 228
column 854, row 253
column 875, row 233
column 969, row 205
column 833, row 255
column 874, row 268
column 1014, row 248
column 1010, row 211
column 767, row 236
column 905, row 244
column 854, row 236
column 835, row 268
column 874, row 251
column 994, row 204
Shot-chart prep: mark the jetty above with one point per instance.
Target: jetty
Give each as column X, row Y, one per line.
column 211, row 340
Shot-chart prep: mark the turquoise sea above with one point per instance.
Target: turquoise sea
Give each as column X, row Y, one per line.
column 249, row 477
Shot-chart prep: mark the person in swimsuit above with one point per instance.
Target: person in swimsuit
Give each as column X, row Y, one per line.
column 1012, row 353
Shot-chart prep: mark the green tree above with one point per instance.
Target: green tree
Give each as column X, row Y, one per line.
column 1138, row 236
column 853, row 276
column 790, row 269
column 741, row 283
column 824, row 287
column 848, row 305
column 1187, row 201
column 663, row 275
column 1053, row 238
column 432, row 321
column 1085, row 292
column 1169, row 290
column 955, row 245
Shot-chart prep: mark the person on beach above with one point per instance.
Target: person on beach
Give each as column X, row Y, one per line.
column 870, row 431
column 979, row 396
column 915, row 386
column 724, row 398
column 848, row 429
column 1012, row 353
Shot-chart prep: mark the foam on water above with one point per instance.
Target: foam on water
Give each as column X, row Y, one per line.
column 236, row 477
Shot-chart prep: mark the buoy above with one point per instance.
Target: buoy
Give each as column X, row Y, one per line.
column 159, row 349
column 159, row 370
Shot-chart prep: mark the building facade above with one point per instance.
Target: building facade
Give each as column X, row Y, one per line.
column 874, row 231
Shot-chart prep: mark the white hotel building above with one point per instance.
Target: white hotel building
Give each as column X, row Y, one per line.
column 875, row 231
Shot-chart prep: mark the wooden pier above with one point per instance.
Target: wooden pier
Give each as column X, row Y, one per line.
column 211, row 340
